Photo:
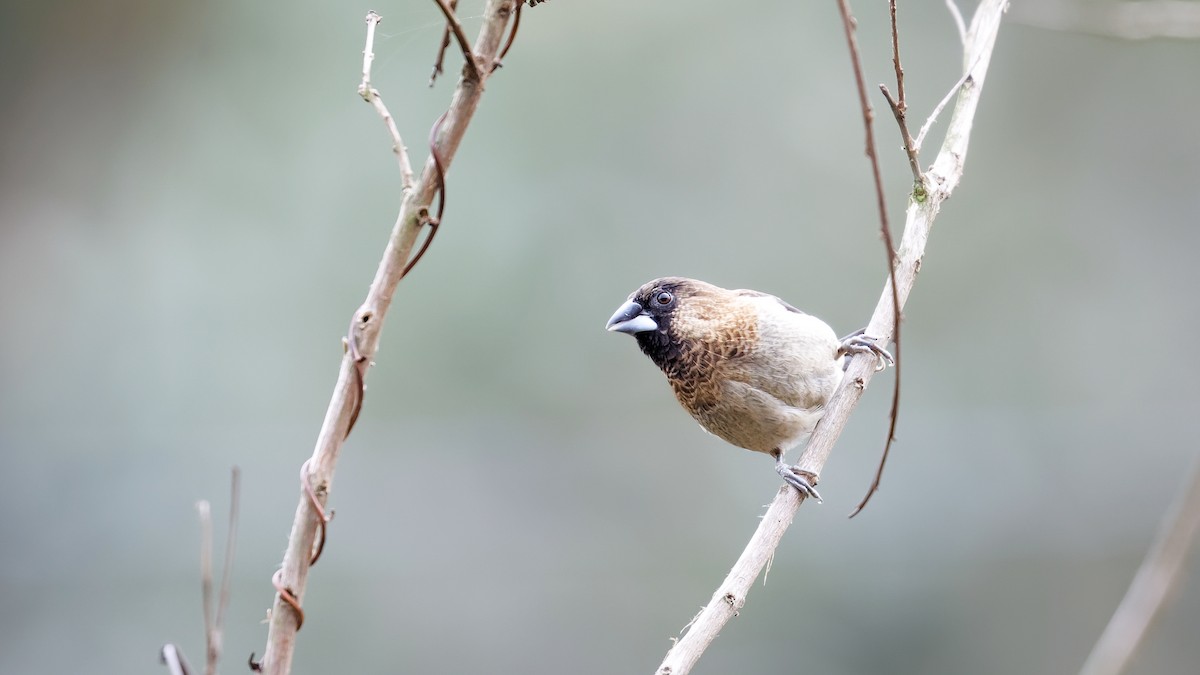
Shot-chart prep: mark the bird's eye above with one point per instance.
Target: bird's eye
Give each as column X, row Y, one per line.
column 664, row 298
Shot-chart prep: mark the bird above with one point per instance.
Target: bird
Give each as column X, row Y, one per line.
column 750, row 368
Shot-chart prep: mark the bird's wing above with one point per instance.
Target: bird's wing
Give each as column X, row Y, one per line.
column 747, row 293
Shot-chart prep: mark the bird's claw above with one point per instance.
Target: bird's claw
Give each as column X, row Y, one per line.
column 802, row 480
column 861, row 343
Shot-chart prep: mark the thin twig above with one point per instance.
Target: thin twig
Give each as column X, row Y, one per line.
column 848, row 24
column 958, row 21
column 452, row 24
column 371, row 95
column 214, row 621
column 1152, row 585
column 173, row 659
column 937, row 110
column 217, row 627
column 942, row 178
column 899, row 106
column 204, row 511
column 445, row 44
column 910, row 147
column 367, row 323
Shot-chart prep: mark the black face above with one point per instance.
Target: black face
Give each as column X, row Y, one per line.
column 659, row 302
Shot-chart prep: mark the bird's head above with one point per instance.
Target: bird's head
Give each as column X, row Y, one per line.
column 652, row 307
column 658, row 314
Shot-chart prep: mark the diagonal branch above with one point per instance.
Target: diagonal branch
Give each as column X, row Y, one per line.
column 363, row 341
column 1152, row 585
column 453, row 26
column 937, row 109
column 943, row 177
column 445, row 44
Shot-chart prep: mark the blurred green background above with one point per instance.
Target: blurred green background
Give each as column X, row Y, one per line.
column 193, row 201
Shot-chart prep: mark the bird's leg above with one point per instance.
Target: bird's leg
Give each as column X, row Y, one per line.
column 859, row 342
column 796, row 477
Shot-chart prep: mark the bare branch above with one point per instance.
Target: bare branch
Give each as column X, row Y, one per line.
column 899, row 106
column 1152, row 585
column 366, row 326
column 849, row 25
column 942, row 178
column 371, row 95
column 214, row 622
column 937, row 110
column 445, row 44
column 473, row 71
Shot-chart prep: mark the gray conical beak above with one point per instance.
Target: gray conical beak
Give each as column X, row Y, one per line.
column 629, row 318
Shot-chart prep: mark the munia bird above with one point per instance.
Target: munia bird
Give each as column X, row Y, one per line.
column 750, row 368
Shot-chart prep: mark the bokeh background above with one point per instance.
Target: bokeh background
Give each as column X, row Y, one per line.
column 193, row 201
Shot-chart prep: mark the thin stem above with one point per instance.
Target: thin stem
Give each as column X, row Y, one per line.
column 461, row 37
column 848, row 24
column 204, row 510
column 937, row 110
column 899, row 106
column 218, row 624
column 371, row 95
column 1151, row 587
column 443, row 46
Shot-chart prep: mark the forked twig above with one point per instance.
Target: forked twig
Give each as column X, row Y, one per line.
column 899, row 106
column 371, row 95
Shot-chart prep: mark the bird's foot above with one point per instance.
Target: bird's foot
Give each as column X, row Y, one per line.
column 802, row 480
column 859, row 342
